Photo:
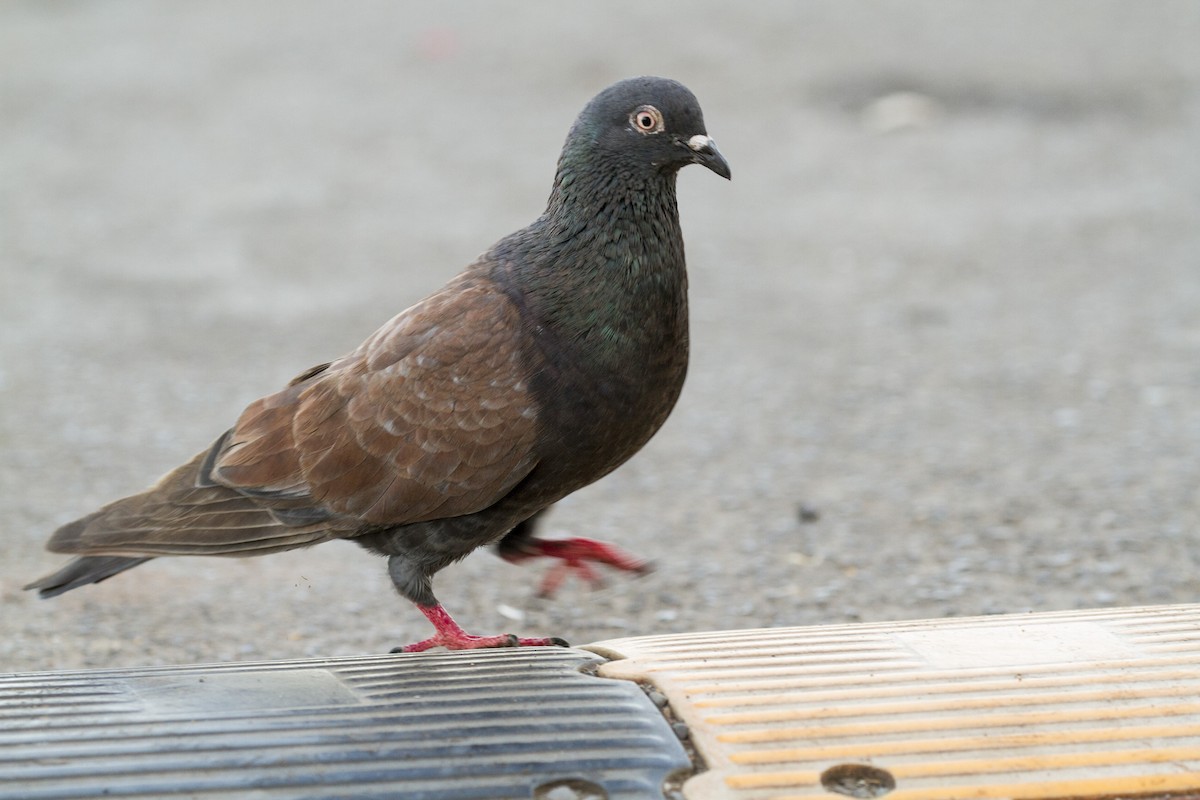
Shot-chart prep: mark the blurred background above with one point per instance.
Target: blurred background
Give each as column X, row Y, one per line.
column 946, row 317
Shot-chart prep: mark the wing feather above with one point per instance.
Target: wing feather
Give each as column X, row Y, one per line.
column 431, row 417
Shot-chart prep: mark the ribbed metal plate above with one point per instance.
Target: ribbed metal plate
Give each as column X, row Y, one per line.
column 1037, row 706
column 515, row 723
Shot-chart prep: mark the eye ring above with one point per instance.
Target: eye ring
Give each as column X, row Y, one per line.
column 647, row 120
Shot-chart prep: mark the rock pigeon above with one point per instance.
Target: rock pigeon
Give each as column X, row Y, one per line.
column 543, row 366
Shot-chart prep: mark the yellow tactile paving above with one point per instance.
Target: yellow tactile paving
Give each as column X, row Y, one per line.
column 1088, row 704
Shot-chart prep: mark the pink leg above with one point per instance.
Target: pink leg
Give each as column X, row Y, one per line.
column 452, row 637
column 575, row 555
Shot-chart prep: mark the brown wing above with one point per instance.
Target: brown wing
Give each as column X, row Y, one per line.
column 431, row 417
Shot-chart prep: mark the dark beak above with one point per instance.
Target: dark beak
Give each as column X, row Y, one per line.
column 704, row 151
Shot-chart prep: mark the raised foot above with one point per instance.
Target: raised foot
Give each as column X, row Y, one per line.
column 577, row 556
column 452, row 637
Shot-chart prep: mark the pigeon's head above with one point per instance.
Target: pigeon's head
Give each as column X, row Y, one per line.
column 645, row 124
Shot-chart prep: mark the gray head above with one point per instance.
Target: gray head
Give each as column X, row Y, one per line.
column 644, row 124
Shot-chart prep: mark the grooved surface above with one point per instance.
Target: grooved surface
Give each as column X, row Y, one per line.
column 1036, row 706
column 487, row 724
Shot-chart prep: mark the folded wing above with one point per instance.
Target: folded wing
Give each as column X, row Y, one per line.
column 431, row 417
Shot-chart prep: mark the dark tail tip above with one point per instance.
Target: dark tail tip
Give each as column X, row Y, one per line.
column 82, row 571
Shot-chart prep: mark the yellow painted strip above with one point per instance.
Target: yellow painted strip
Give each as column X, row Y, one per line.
column 952, row 744
column 960, row 722
column 679, row 643
column 1041, row 790
column 774, row 780
column 720, row 672
column 1147, row 618
column 706, row 669
column 855, row 678
column 842, row 656
column 983, row 766
column 998, row 700
column 1156, row 622
column 1185, row 632
column 1169, row 648
column 1132, row 679
column 767, row 645
column 832, row 670
column 1093, row 761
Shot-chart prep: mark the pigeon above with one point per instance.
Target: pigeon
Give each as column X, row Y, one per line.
column 540, row 368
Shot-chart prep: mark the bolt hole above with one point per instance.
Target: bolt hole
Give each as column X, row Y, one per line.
column 858, row 780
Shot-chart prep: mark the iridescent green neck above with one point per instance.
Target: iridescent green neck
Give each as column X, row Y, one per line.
column 604, row 266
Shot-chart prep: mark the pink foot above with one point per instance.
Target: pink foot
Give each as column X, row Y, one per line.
column 452, row 637
column 576, row 555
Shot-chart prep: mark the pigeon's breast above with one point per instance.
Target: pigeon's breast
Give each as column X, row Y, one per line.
column 604, row 336
column 596, row 411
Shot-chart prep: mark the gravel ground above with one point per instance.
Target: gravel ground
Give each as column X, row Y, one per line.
column 948, row 308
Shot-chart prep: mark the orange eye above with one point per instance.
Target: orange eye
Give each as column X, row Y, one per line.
column 647, row 119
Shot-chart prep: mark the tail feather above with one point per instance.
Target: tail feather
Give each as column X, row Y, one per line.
column 185, row 513
column 81, row 572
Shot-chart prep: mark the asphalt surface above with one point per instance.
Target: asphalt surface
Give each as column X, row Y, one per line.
column 949, row 307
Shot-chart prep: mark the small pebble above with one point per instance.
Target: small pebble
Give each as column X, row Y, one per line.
column 900, row 110
column 508, row 612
